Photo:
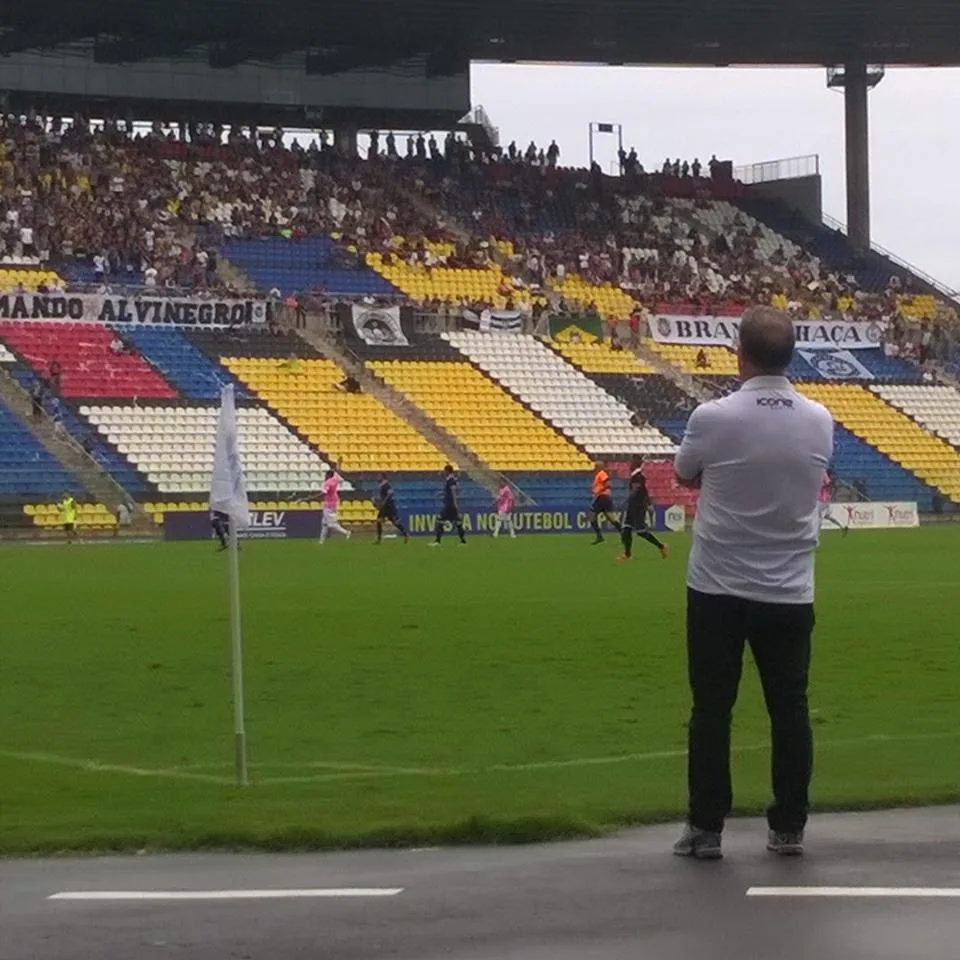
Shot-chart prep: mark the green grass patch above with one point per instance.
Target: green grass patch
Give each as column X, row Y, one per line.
column 506, row 691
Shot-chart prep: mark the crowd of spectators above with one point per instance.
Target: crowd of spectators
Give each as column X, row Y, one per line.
column 151, row 205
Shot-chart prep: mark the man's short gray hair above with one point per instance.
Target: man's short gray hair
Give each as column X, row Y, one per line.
column 767, row 338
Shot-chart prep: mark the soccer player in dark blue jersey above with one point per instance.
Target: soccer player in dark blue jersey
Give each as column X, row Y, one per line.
column 387, row 509
column 450, row 508
column 635, row 513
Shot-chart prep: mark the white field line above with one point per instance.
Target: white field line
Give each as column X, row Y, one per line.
column 162, row 896
column 97, row 766
column 360, row 771
column 893, row 892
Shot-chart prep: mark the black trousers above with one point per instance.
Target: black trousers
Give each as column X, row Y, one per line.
column 779, row 638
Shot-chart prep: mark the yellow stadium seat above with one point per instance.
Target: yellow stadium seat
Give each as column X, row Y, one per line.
column 502, row 432
column 720, row 360
column 612, row 302
column 355, row 429
column 10, row 278
column 600, row 358
column 872, row 419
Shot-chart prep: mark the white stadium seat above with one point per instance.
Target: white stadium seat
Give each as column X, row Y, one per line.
column 934, row 407
column 174, row 446
column 561, row 394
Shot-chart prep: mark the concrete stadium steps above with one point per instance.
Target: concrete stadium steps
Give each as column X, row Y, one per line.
column 97, row 445
column 935, row 408
column 481, row 415
column 356, row 430
column 892, row 432
column 560, row 393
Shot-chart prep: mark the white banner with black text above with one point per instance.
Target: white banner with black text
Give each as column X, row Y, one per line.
column 116, row 308
column 723, row 332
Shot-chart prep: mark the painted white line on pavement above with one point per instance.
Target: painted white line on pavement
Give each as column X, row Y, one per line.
column 914, row 892
column 119, row 896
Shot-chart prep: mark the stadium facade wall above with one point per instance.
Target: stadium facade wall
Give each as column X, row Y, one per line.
column 73, row 72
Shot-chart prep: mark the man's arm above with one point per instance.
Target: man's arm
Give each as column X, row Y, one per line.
column 689, row 461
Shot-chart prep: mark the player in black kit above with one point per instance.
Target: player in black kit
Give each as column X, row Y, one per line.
column 450, row 510
column 387, row 509
column 635, row 513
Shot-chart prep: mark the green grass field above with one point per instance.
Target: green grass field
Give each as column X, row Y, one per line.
column 502, row 691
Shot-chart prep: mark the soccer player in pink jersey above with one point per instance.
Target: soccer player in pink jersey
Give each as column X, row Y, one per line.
column 504, row 504
column 330, row 491
column 825, row 496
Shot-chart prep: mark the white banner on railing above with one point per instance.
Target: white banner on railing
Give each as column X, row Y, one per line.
column 836, row 364
column 874, row 516
column 379, row 326
column 115, row 308
column 722, row 332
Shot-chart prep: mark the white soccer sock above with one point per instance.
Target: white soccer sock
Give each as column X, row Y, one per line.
column 496, row 527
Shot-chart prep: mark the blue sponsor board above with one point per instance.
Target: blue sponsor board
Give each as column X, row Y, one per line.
column 562, row 519
column 264, row 525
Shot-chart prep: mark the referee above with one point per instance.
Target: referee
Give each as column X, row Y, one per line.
column 758, row 456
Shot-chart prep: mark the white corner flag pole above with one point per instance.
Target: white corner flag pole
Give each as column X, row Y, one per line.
column 239, row 724
column 228, row 495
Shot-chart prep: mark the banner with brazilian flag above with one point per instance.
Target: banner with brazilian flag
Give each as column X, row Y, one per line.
column 571, row 328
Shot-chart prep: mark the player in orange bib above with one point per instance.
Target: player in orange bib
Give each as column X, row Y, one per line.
column 602, row 505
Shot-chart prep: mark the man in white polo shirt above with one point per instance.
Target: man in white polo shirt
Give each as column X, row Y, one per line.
column 758, row 456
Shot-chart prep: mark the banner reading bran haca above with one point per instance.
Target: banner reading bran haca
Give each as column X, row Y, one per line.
column 723, row 332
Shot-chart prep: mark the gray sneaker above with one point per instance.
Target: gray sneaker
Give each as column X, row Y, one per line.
column 785, row 843
column 699, row 844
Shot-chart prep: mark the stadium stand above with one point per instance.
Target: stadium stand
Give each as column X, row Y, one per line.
column 30, row 279
column 598, row 357
column 561, row 394
column 356, row 430
column 311, row 263
column 526, row 232
column 718, row 360
column 27, row 469
column 935, row 408
column 893, row 433
column 183, row 365
column 89, row 367
column 173, row 447
column 504, row 434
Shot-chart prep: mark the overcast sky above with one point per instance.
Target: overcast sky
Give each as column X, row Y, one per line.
column 749, row 115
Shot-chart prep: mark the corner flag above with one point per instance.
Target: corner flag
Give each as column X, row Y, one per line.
column 228, row 490
column 228, row 494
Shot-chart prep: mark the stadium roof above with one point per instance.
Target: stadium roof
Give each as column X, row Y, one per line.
column 344, row 34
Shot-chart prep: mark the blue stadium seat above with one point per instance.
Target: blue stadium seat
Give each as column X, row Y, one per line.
column 191, row 371
column 26, row 468
column 294, row 266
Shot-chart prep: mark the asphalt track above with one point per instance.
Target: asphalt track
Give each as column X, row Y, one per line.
column 878, row 886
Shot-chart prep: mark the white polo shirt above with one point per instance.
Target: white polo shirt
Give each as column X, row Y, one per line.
column 760, row 453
